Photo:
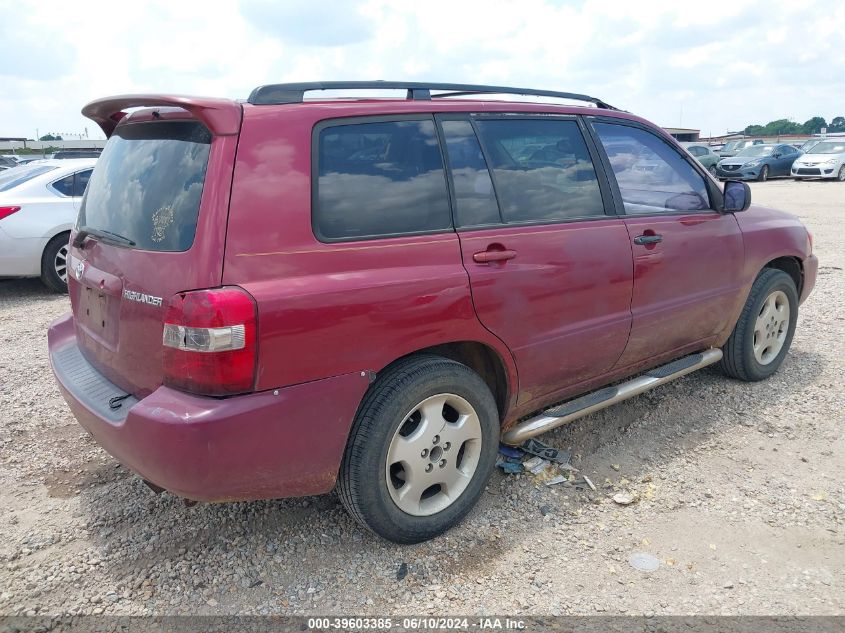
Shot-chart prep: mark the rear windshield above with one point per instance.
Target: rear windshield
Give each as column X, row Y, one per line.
column 19, row 175
column 148, row 183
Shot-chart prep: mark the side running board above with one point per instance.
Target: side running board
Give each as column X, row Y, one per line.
column 603, row 398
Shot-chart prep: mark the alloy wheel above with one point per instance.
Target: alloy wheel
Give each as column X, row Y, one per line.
column 60, row 263
column 841, row 176
column 433, row 455
column 771, row 327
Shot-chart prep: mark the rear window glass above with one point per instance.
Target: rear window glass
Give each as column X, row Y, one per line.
column 19, row 175
column 542, row 169
column 148, row 183
column 380, row 178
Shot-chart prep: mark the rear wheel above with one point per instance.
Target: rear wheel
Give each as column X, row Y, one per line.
column 421, row 450
column 54, row 263
column 763, row 333
column 764, row 174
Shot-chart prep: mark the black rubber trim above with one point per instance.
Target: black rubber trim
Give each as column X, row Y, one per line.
column 573, row 406
column 675, row 366
column 89, row 386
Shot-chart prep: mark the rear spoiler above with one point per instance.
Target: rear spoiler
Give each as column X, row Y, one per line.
column 221, row 116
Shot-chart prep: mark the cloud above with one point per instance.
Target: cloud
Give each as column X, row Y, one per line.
column 308, row 24
column 671, row 62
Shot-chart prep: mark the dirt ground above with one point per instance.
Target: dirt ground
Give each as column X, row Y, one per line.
column 739, row 496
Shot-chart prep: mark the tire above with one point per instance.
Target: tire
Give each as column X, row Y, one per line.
column 390, row 422
column 741, row 359
column 712, row 170
column 840, row 176
column 53, row 273
column 797, row 179
column 763, row 176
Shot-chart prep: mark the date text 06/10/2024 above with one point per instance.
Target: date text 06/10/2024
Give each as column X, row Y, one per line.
column 426, row 623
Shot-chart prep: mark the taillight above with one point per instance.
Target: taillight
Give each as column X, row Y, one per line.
column 210, row 342
column 5, row 212
column 809, row 243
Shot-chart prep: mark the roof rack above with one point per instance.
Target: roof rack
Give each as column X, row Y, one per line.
column 276, row 94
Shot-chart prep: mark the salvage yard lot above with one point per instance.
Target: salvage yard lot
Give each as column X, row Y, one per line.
column 739, row 486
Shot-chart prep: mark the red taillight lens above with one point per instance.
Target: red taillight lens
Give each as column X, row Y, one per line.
column 210, row 342
column 5, row 212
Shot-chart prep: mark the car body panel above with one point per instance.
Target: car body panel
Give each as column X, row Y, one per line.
column 562, row 305
column 679, row 295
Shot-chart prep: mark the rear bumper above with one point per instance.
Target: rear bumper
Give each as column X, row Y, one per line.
column 282, row 443
column 811, row 269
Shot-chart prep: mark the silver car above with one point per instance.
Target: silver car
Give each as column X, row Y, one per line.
column 38, row 206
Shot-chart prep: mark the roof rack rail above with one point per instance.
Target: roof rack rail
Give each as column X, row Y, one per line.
column 276, row 94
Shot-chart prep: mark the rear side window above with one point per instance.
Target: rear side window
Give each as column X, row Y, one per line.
column 380, row 178
column 64, row 186
column 652, row 176
column 80, row 181
column 148, row 184
column 541, row 168
column 475, row 201
column 19, row 175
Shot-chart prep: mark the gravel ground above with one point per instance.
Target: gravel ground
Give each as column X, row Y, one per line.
column 738, row 492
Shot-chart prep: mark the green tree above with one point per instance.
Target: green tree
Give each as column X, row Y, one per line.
column 837, row 124
column 781, row 126
column 50, row 137
column 754, row 130
column 814, row 125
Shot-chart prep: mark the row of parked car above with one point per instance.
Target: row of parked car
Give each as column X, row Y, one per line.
column 755, row 160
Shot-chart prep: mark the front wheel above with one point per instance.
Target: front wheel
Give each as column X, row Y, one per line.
column 421, row 449
column 764, row 174
column 841, row 175
column 763, row 333
column 712, row 170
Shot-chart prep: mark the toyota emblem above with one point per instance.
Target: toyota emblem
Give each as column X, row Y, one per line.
column 80, row 268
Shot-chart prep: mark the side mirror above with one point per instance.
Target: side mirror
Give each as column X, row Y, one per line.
column 737, row 196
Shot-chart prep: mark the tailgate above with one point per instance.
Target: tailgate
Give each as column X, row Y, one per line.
column 155, row 211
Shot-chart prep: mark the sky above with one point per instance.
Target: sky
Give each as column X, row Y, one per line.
column 715, row 66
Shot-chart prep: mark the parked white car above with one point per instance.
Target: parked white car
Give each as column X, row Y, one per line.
column 38, row 207
column 825, row 160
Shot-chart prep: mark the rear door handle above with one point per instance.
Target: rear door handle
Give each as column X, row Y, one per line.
column 648, row 239
column 485, row 257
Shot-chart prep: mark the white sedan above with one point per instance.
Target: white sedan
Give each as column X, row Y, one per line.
column 38, row 207
column 825, row 160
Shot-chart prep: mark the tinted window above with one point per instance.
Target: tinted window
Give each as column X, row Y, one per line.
column 19, row 175
column 64, row 186
column 542, row 169
column 652, row 176
column 80, row 182
column 148, row 183
column 379, row 179
column 695, row 150
column 474, row 200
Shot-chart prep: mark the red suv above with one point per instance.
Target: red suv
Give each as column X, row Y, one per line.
column 280, row 297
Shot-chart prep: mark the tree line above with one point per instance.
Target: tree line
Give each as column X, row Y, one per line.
column 785, row 126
